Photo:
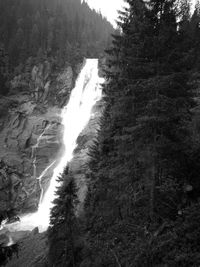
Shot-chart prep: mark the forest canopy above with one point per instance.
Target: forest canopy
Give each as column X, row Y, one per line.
column 67, row 30
column 142, row 206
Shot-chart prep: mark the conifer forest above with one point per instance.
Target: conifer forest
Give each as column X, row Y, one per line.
column 111, row 115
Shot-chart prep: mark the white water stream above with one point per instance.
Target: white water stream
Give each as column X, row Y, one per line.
column 75, row 116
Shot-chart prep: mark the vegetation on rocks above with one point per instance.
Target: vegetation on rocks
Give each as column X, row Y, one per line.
column 42, row 46
column 143, row 179
column 59, row 32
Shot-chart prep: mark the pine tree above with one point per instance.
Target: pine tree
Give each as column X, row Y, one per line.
column 35, row 39
column 143, row 146
column 4, row 71
column 26, row 26
column 64, row 230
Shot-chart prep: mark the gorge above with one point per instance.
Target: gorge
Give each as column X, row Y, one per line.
column 74, row 117
column 98, row 175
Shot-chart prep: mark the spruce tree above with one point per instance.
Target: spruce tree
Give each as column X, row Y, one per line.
column 64, row 231
column 4, row 71
column 143, row 157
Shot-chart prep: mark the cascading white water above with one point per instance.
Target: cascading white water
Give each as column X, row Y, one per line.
column 75, row 116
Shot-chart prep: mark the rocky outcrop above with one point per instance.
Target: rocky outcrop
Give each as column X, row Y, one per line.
column 30, row 142
column 31, row 136
column 64, row 81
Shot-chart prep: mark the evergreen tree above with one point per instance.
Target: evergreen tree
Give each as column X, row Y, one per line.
column 4, row 69
column 144, row 150
column 26, row 26
column 64, row 230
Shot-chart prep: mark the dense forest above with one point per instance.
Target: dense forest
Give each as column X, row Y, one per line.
column 142, row 206
column 62, row 31
column 58, row 33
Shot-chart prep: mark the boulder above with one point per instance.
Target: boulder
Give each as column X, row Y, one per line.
column 35, row 231
column 19, row 235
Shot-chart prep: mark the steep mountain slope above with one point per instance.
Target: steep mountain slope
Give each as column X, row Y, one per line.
column 43, row 44
column 66, row 30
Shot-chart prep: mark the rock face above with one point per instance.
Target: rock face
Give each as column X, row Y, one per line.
column 31, row 137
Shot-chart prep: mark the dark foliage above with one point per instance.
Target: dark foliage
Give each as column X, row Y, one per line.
column 142, row 172
column 3, row 71
column 62, row 32
column 6, row 253
column 142, row 206
column 64, row 234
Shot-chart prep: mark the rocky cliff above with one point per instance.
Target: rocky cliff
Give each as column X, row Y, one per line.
column 31, row 135
column 32, row 249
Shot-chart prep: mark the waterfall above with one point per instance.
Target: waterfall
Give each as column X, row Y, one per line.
column 75, row 116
